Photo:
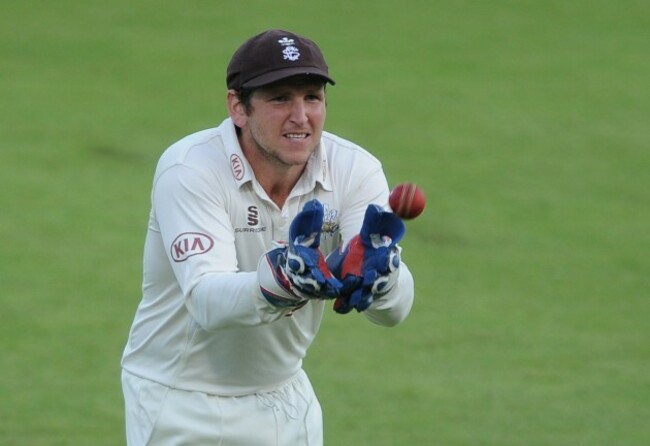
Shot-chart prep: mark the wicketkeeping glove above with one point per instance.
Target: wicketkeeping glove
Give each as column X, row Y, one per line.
column 294, row 272
column 369, row 265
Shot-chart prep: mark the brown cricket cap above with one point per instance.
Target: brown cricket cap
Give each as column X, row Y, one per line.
column 274, row 55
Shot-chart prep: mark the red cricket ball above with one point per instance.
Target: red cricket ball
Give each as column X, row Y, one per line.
column 407, row 200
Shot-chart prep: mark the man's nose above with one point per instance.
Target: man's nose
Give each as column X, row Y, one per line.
column 299, row 111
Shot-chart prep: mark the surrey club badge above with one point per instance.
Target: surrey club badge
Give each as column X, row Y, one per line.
column 290, row 52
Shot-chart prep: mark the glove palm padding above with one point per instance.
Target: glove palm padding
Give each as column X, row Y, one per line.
column 305, row 264
column 368, row 266
column 296, row 271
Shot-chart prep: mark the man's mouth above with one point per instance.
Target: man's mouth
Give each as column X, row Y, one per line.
column 296, row 135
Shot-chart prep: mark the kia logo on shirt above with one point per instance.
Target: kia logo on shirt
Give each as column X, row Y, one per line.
column 190, row 244
column 237, row 167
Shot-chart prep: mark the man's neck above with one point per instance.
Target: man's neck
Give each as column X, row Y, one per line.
column 277, row 180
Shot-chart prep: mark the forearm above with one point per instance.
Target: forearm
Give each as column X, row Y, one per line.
column 228, row 300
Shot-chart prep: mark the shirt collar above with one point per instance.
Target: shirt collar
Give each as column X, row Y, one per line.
column 239, row 167
column 316, row 170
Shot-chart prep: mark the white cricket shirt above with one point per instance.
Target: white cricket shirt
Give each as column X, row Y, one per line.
column 202, row 324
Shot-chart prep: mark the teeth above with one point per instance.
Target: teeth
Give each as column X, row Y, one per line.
column 296, row 135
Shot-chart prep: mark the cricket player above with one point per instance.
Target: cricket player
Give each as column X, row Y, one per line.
column 257, row 227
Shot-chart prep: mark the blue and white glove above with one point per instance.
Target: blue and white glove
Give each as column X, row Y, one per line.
column 369, row 265
column 291, row 274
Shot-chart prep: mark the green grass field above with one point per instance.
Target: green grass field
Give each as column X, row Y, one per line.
column 527, row 123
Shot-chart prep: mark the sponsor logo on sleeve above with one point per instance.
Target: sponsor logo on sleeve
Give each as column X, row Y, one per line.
column 190, row 244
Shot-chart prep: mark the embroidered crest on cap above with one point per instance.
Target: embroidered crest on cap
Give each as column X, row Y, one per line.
column 290, row 51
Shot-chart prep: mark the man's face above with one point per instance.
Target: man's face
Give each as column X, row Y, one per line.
column 285, row 121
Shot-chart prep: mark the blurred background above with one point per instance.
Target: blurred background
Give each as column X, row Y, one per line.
column 526, row 123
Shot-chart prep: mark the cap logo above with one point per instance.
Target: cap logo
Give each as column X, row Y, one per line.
column 290, row 52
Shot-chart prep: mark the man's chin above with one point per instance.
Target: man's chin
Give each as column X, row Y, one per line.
column 297, row 157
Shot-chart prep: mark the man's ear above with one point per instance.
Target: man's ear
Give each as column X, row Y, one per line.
column 236, row 109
